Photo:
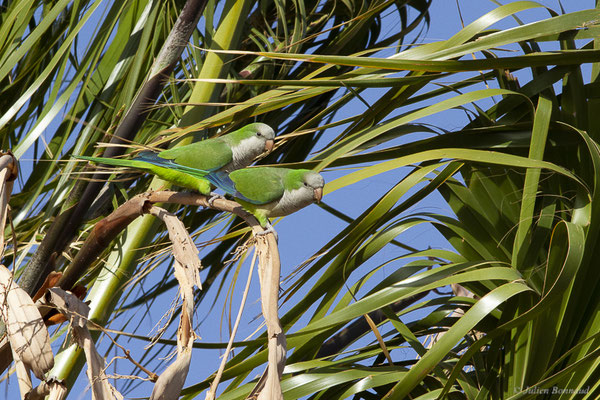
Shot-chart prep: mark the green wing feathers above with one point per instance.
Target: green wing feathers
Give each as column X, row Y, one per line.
column 261, row 185
column 208, row 155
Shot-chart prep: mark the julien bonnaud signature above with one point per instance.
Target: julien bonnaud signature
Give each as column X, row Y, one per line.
column 552, row 390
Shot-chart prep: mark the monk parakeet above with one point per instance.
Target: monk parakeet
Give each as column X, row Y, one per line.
column 188, row 165
column 269, row 191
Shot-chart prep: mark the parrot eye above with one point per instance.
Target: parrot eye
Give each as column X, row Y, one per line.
column 305, row 184
column 258, row 134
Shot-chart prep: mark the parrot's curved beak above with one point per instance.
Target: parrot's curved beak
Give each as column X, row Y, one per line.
column 269, row 145
column 318, row 194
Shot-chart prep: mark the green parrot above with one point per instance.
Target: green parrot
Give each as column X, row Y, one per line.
column 187, row 166
column 270, row 191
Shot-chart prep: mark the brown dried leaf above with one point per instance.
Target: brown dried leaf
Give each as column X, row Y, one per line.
column 211, row 392
column 170, row 382
column 77, row 312
column 25, row 327
column 57, row 392
column 50, row 281
column 8, row 172
column 187, row 266
column 277, row 357
column 269, row 269
column 457, row 290
column 5, row 354
column 184, row 249
column 3, row 207
column 23, row 376
column 53, row 389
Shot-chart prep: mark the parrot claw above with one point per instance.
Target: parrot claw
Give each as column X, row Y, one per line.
column 213, row 197
column 269, row 229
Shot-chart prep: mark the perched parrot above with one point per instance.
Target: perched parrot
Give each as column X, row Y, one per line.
column 187, row 166
column 270, row 191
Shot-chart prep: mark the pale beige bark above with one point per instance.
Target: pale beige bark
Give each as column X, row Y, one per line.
column 27, row 334
column 77, row 313
column 187, row 267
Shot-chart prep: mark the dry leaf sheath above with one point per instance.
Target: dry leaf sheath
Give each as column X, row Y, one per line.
column 77, row 312
column 186, row 267
column 27, row 334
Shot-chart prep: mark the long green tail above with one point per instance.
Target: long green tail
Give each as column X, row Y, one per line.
column 150, row 162
column 118, row 162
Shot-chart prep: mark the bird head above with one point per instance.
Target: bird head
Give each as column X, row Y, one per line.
column 250, row 142
column 315, row 182
column 265, row 133
column 257, row 136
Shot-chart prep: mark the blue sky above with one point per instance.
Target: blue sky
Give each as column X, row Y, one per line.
column 303, row 233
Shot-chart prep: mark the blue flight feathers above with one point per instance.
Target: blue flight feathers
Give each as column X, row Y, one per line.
column 222, row 180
